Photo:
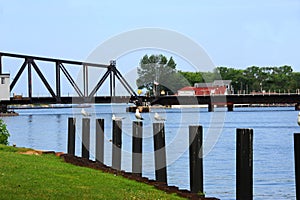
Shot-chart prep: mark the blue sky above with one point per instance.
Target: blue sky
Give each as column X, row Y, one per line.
column 234, row 33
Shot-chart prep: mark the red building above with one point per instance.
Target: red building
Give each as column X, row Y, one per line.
column 220, row 87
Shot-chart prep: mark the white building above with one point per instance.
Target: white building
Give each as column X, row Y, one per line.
column 4, row 87
column 186, row 91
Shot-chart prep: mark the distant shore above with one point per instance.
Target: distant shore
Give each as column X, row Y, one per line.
column 47, row 106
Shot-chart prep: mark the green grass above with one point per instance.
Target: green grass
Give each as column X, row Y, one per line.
column 48, row 177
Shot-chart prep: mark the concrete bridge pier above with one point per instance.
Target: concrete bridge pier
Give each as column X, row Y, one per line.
column 211, row 107
column 5, row 112
column 229, row 107
column 297, row 106
column 3, row 108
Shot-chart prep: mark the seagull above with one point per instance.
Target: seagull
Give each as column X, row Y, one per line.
column 298, row 119
column 84, row 113
column 138, row 114
column 116, row 118
column 158, row 118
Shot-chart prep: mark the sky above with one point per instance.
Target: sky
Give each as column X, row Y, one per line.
column 233, row 33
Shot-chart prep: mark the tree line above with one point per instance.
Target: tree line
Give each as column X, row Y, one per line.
column 157, row 73
column 251, row 79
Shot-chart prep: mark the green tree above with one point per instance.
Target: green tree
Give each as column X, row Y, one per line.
column 171, row 63
column 295, row 83
column 4, row 134
column 209, row 77
column 251, row 79
column 192, row 77
column 158, row 69
column 238, row 80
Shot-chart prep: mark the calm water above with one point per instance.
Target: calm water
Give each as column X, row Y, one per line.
column 46, row 129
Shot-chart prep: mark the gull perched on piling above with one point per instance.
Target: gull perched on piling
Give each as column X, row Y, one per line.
column 158, row 117
column 298, row 119
column 116, row 118
column 138, row 114
column 84, row 113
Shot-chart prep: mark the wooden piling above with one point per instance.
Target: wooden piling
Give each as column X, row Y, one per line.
column 71, row 135
column 297, row 163
column 137, row 148
column 244, row 164
column 116, row 144
column 160, row 152
column 196, row 158
column 100, row 140
column 85, row 151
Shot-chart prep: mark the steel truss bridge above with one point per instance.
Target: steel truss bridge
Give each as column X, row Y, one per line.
column 83, row 95
column 86, row 96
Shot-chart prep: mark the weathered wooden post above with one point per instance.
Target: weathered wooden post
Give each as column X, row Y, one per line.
column 137, row 148
column 116, row 144
column 85, row 152
column 196, row 158
column 100, row 140
column 71, row 135
column 297, row 163
column 160, row 152
column 244, row 164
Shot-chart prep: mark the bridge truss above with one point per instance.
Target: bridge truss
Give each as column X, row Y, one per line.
column 30, row 63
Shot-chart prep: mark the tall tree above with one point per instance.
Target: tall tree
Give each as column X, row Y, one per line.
column 157, row 73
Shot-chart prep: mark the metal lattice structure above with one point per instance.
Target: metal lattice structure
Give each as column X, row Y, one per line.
column 59, row 64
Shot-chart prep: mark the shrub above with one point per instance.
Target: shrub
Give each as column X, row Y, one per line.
column 4, row 134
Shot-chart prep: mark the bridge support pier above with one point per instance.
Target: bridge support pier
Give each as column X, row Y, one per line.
column 211, row 107
column 230, row 107
column 3, row 108
column 297, row 106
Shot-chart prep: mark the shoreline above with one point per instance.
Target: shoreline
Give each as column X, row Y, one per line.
column 50, row 106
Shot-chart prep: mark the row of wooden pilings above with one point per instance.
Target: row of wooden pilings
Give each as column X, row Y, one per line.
column 244, row 152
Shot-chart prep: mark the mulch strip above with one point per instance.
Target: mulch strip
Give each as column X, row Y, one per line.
column 83, row 162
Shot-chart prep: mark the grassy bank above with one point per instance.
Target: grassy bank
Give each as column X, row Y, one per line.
column 48, row 177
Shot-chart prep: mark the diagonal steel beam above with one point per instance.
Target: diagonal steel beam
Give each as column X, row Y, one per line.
column 38, row 71
column 13, row 83
column 104, row 77
column 72, row 82
column 124, row 85
column 124, row 82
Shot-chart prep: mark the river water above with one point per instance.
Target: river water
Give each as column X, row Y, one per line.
column 273, row 127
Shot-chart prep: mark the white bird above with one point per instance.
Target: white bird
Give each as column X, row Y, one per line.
column 138, row 114
column 84, row 113
column 298, row 119
column 116, row 118
column 158, row 117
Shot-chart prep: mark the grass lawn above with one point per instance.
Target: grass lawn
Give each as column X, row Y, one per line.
column 48, row 177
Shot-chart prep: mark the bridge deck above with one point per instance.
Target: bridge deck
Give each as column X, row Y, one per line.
column 228, row 99
column 67, row 100
column 167, row 100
